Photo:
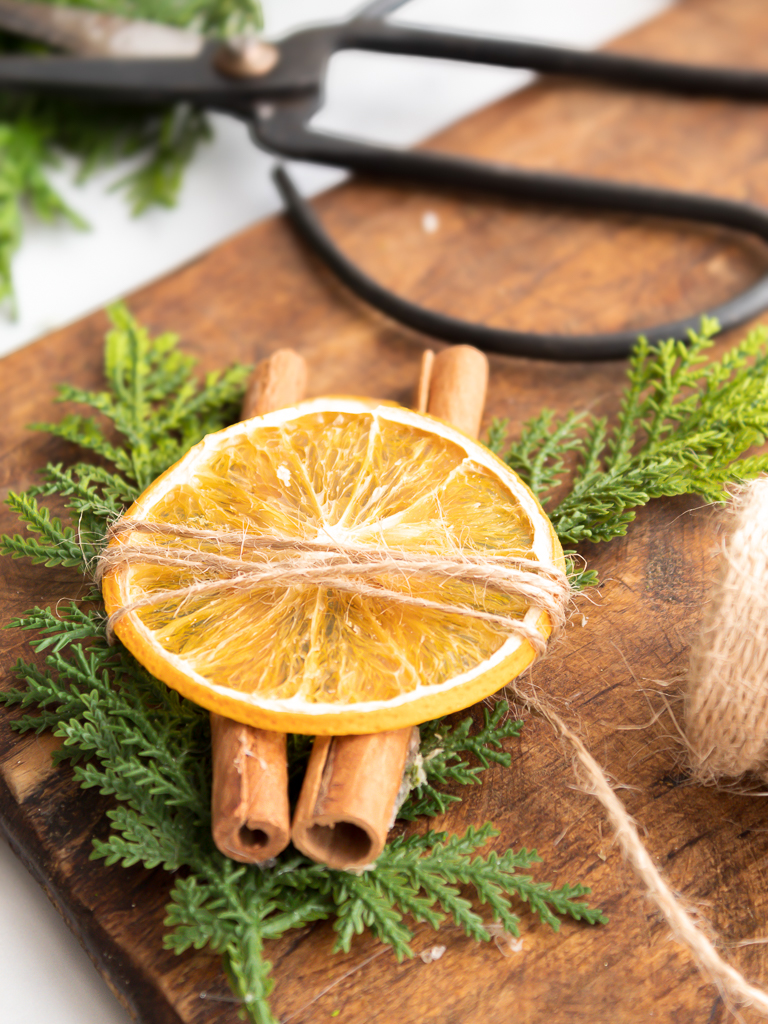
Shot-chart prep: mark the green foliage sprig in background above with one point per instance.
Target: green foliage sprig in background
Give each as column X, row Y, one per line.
column 35, row 132
column 132, row 738
column 684, row 426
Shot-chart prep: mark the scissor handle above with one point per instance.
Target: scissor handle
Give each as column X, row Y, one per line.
column 639, row 72
column 284, row 131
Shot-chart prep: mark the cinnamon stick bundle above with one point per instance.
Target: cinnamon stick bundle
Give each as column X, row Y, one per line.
column 349, row 796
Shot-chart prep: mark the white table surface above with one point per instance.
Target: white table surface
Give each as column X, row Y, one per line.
column 62, row 274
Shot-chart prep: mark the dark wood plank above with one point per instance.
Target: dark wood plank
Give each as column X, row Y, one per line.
column 504, row 264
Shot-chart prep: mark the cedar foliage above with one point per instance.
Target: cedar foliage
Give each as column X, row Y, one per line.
column 684, row 426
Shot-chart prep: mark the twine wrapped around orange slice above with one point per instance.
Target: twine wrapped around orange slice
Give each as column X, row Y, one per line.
column 293, row 598
column 334, row 568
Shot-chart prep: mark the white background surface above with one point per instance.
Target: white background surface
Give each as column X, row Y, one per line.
column 61, row 274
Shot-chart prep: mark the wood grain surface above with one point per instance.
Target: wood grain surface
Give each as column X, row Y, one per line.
column 505, row 264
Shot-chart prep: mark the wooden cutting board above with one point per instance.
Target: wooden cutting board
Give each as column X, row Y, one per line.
column 505, row 264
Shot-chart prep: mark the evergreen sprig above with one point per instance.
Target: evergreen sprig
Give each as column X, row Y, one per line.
column 135, row 740
column 36, row 131
column 440, row 759
column 684, row 426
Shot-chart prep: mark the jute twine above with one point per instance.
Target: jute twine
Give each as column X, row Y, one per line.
column 351, row 568
column 726, row 702
column 726, row 710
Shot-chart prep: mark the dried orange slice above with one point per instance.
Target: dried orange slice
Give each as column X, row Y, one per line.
column 320, row 659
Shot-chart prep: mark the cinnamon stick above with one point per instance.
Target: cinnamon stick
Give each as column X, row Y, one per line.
column 421, row 397
column 348, row 799
column 457, row 387
column 276, row 383
column 250, row 814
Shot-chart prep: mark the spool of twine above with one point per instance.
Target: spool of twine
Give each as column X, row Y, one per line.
column 726, row 699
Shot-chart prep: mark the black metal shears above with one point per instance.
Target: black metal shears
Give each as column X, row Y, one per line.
column 276, row 88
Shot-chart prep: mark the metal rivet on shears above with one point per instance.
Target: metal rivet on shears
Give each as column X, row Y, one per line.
column 246, row 58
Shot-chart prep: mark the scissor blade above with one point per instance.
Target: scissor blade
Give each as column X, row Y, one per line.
column 91, row 34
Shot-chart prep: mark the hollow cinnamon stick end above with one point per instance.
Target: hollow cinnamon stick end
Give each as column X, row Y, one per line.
column 343, row 845
column 457, row 388
column 278, row 382
column 348, row 799
column 249, row 801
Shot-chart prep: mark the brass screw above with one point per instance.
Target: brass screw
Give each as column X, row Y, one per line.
column 246, row 58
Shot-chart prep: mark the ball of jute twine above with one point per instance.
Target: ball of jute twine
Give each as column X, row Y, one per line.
column 726, row 700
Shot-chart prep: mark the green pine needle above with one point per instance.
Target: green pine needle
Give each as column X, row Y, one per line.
column 134, row 739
